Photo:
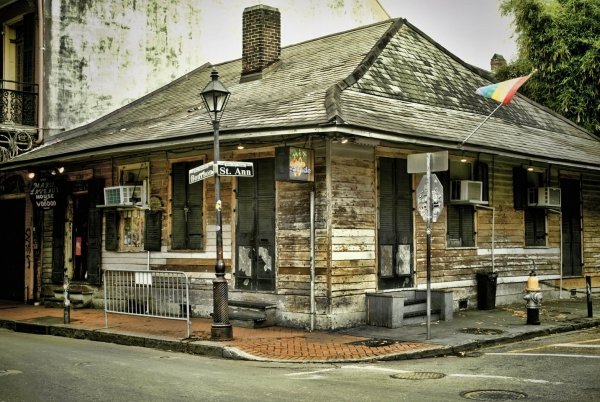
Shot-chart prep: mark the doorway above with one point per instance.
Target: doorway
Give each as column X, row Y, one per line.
column 12, row 249
column 395, row 233
column 570, row 190
column 255, row 231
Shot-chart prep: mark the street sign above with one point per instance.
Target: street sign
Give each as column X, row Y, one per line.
column 201, row 172
column 437, row 198
column 417, row 163
column 244, row 169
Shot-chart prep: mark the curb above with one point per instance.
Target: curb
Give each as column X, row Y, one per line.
column 216, row 349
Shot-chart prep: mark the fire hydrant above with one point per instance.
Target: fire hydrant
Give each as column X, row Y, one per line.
column 534, row 299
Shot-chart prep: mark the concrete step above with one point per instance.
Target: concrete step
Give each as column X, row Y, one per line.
column 419, row 317
column 251, row 314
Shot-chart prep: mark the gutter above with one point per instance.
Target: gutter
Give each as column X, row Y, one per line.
column 283, row 134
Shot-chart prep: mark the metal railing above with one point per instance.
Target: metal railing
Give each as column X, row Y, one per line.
column 161, row 294
column 18, row 102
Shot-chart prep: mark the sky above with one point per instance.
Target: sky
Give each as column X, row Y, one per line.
column 473, row 30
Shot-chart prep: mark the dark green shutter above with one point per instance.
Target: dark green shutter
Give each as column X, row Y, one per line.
column 178, row 218
column 111, row 240
column 194, row 220
column 481, row 172
column 94, row 252
column 152, row 230
column 519, row 188
column 265, row 223
column 386, row 202
column 186, row 219
column 467, row 227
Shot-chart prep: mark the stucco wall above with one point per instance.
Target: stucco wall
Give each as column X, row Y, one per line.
column 102, row 54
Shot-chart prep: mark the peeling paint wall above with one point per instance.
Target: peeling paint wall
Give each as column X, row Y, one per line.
column 103, row 54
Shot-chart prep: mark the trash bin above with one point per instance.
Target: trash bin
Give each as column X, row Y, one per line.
column 486, row 290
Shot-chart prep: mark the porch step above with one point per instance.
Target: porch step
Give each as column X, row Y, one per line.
column 407, row 307
column 55, row 302
column 251, row 314
column 80, row 296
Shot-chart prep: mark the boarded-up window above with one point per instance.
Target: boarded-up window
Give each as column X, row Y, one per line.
column 186, row 209
column 460, row 226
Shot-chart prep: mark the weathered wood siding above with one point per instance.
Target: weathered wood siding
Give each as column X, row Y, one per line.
column 591, row 224
column 352, row 209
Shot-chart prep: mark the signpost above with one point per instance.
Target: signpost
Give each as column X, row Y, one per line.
column 430, row 202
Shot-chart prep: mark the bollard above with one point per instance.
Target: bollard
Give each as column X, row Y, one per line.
column 67, row 302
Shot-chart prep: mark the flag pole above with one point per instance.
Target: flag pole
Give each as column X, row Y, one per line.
column 480, row 124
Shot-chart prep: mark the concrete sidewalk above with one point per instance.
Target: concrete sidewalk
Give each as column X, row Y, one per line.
column 469, row 330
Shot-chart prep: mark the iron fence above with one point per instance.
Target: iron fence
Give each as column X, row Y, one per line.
column 18, row 102
column 161, row 294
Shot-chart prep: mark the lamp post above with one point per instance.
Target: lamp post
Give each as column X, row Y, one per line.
column 215, row 97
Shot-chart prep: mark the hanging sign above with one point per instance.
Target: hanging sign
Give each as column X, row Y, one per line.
column 294, row 164
column 44, row 193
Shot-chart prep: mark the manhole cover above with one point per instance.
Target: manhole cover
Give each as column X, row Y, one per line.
column 481, row 331
column 493, row 395
column 419, row 375
column 374, row 343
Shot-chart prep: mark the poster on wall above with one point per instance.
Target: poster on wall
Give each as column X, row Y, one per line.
column 44, row 193
column 294, row 164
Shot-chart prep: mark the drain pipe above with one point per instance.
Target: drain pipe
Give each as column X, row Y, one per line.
column 493, row 209
column 312, row 260
column 40, row 74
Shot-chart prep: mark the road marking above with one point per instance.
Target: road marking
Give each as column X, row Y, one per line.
column 503, row 377
column 574, row 345
column 395, row 371
column 543, row 354
column 309, row 372
column 9, row 372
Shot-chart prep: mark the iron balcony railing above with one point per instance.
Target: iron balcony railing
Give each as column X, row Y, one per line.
column 18, row 102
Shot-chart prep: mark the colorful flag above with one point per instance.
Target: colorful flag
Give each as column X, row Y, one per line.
column 503, row 91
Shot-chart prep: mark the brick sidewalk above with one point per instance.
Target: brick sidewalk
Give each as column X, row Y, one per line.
column 272, row 343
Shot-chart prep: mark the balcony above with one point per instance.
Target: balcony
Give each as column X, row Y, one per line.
column 18, row 103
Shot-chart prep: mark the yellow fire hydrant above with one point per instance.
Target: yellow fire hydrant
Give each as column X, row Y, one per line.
column 534, row 299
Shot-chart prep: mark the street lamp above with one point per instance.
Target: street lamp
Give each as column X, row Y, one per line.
column 215, row 97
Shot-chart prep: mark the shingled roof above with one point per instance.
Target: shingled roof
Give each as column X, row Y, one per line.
column 387, row 80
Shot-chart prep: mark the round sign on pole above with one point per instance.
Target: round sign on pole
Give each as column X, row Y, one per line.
column 437, row 198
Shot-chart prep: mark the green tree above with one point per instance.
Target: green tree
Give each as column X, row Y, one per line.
column 561, row 38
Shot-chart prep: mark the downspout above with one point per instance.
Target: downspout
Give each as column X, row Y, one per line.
column 40, row 74
column 312, row 260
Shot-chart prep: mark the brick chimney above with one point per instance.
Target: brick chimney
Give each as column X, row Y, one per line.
column 261, row 41
column 497, row 62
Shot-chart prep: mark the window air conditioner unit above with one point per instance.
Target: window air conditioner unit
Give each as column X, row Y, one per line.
column 543, row 197
column 466, row 192
column 125, row 195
